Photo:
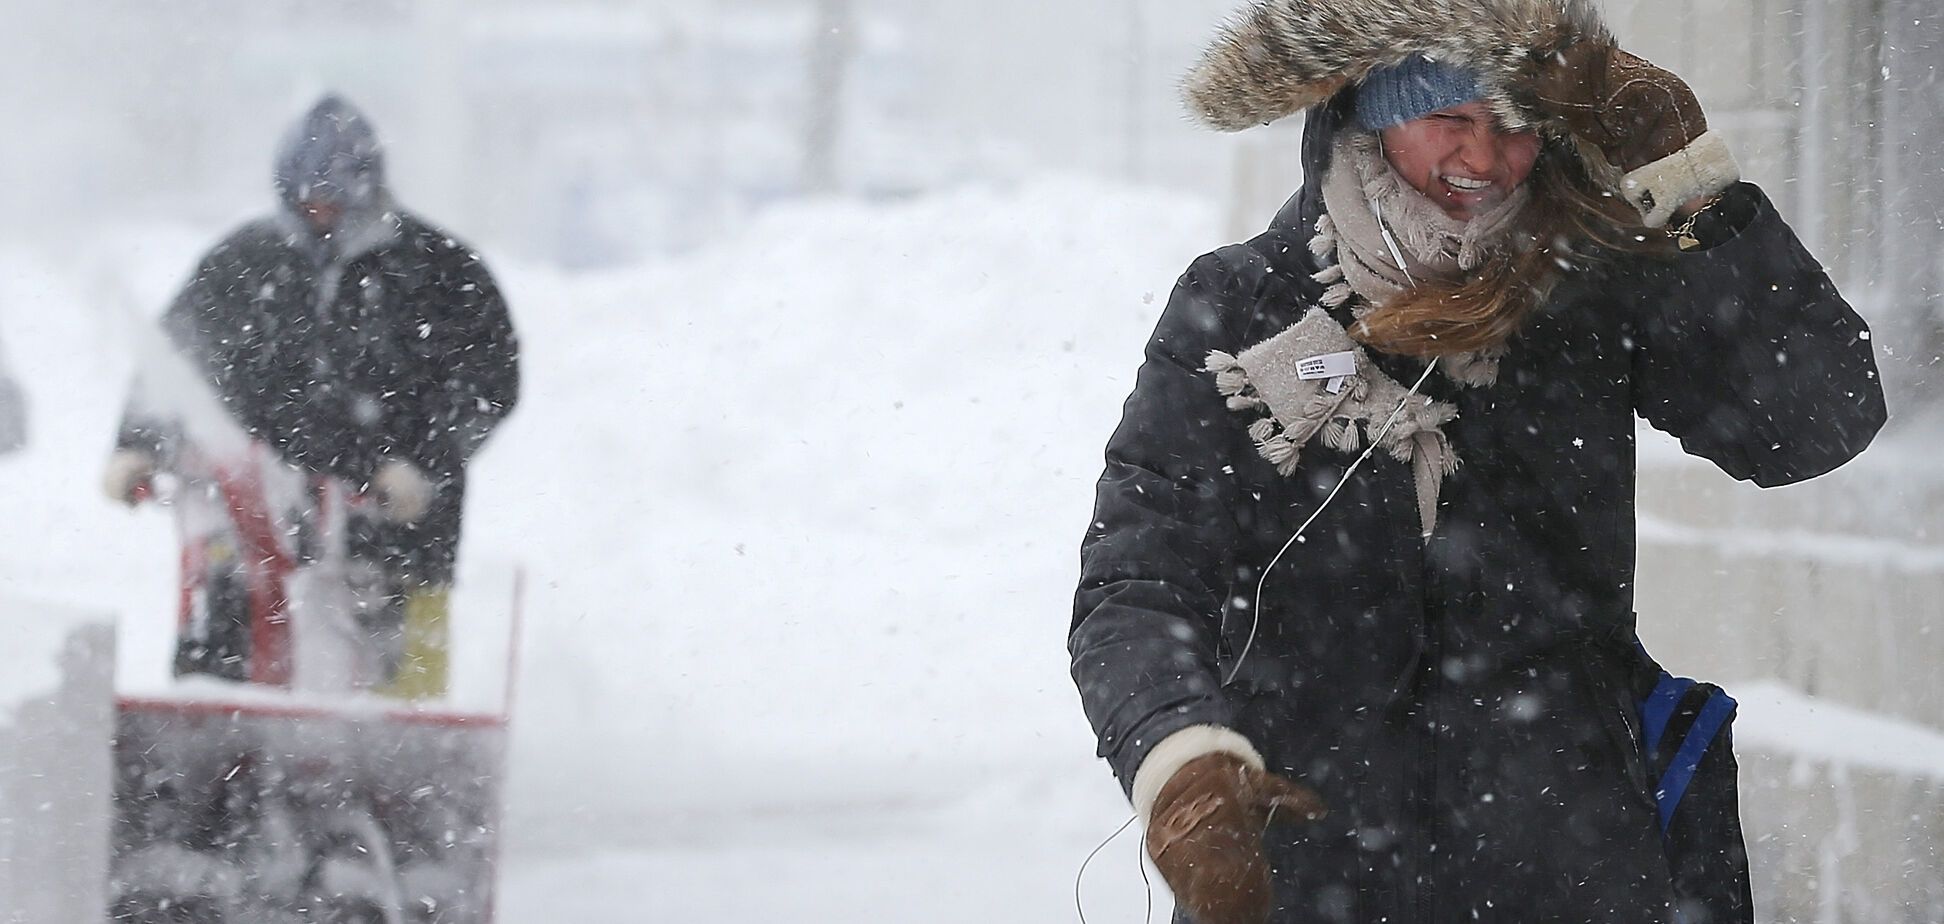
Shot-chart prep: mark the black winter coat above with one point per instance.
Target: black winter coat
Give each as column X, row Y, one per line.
column 403, row 351
column 1464, row 703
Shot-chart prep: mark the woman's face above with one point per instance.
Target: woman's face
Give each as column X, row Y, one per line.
column 1459, row 158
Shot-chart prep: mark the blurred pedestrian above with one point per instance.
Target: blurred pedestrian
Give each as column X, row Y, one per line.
column 13, row 409
column 360, row 343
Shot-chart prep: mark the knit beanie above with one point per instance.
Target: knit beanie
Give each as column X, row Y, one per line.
column 1402, row 92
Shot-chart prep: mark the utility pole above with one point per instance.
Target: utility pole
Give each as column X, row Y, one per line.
column 1136, row 72
column 832, row 43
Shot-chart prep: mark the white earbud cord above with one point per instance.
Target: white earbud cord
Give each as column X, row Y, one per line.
column 1255, row 605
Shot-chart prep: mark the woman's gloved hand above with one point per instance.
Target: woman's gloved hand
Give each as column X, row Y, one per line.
column 1645, row 121
column 1205, row 835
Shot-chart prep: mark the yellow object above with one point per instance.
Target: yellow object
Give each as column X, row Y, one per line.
column 422, row 667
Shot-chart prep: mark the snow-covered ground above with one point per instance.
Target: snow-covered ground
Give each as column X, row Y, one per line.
column 799, row 515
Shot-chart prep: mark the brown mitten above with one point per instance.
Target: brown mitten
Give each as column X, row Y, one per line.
column 1205, row 835
column 1644, row 121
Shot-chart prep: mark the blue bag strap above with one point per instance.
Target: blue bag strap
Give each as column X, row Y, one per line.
column 1659, row 707
column 1680, row 773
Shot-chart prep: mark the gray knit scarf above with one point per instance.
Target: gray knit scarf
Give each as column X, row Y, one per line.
column 1360, row 183
column 1291, row 406
column 1274, row 380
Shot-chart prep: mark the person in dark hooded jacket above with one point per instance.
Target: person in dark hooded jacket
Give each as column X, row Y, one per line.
column 13, row 410
column 358, row 341
column 1354, row 626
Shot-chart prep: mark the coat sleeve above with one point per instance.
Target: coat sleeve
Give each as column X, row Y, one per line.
column 481, row 375
column 1155, row 560
column 1747, row 354
column 472, row 376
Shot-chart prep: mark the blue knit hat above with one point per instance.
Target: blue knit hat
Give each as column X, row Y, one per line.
column 1402, row 92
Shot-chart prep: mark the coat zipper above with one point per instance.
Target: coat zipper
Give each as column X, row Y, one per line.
column 1427, row 794
column 1410, row 546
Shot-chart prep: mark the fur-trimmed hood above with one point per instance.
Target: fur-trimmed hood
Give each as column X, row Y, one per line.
column 1279, row 57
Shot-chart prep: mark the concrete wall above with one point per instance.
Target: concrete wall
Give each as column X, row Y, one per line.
column 1834, row 588
column 1829, row 842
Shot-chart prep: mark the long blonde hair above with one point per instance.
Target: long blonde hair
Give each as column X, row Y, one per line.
column 1569, row 221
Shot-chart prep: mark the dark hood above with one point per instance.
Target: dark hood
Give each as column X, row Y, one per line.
column 1320, row 127
column 332, row 155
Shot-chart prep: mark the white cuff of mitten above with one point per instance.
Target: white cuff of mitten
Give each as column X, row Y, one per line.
column 1177, row 750
column 127, row 468
column 404, row 490
column 1703, row 168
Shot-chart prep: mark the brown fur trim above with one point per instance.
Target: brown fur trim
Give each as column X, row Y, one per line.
column 1278, row 57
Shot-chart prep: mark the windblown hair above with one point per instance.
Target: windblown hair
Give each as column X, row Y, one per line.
column 1571, row 222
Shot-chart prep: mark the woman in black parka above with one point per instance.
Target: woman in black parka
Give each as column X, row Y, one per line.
column 1437, row 684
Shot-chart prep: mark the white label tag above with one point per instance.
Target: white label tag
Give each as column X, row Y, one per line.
column 1336, row 385
column 1327, row 366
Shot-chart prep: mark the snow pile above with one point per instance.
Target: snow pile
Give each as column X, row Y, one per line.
column 802, row 512
column 1797, row 545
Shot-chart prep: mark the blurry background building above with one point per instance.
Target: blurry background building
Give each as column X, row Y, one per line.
column 589, row 132
column 594, row 132
column 597, row 131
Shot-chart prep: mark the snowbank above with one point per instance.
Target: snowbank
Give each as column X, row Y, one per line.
column 803, row 512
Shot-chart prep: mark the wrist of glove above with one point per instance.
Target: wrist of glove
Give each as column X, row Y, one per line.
column 403, row 490
column 128, row 475
column 1205, row 833
column 1644, row 122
